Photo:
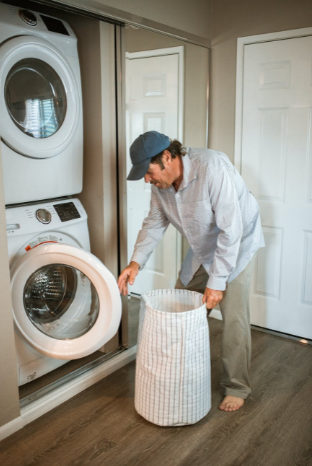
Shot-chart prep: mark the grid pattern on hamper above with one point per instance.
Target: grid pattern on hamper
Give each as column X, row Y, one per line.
column 173, row 358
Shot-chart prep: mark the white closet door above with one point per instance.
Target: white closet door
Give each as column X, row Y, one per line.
column 277, row 167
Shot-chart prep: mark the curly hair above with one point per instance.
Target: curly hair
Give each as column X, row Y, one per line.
column 176, row 150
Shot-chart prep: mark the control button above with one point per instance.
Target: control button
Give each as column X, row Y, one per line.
column 43, row 215
column 28, row 17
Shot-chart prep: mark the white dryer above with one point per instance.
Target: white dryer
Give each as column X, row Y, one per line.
column 40, row 107
column 66, row 303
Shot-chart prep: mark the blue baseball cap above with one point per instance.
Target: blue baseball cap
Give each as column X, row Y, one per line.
column 143, row 149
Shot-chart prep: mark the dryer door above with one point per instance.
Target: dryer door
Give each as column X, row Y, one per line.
column 66, row 303
column 39, row 100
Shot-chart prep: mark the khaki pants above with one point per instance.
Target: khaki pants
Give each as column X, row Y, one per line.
column 236, row 338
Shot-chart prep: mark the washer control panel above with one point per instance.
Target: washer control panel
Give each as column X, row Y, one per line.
column 55, row 214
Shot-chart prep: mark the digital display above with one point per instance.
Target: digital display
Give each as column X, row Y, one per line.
column 54, row 25
column 66, row 211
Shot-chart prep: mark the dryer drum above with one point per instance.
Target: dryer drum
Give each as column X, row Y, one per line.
column 61, row 301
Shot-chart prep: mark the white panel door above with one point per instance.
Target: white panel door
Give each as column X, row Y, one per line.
column 277, row 167
column 152, row 96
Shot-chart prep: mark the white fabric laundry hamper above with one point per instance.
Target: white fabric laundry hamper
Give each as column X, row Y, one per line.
column 173, row 384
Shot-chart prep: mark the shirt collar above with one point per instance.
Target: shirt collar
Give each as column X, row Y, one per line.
column 189, row 173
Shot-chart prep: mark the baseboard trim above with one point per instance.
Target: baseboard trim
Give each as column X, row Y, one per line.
column 41, row 406
column 11, row 427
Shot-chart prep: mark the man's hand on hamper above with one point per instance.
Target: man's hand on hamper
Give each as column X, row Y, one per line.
column 212, row 297
column 127, row 276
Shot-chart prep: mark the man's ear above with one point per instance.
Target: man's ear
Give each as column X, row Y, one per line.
column 166, row 156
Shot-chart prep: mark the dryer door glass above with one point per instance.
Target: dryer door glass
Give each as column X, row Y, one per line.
column 61, row 301
column 35, row 98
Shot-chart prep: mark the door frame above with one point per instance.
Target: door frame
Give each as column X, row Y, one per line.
column 157, row 53
column 241, row 42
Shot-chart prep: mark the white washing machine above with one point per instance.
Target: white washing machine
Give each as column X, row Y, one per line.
column 40, row 107
column 66, row 303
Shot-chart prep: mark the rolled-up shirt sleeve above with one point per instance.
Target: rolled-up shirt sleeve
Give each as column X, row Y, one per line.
column 153, row 229
column 225, row 205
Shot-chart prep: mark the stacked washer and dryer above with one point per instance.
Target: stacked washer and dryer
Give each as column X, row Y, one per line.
column 66, row 303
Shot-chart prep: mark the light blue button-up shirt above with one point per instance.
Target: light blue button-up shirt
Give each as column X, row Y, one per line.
column 214, row 211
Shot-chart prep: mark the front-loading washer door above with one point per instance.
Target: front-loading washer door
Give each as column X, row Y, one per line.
column 39, row 98
column 66, row 303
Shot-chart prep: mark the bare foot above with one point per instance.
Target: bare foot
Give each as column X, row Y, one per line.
column 231, row 403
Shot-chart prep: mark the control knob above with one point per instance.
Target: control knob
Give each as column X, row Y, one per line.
column 43, row 215
column 28, row 17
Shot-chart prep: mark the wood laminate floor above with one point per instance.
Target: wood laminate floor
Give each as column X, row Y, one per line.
column 100, row 426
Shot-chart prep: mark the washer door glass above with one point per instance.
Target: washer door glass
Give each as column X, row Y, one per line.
column 61, row 301
column 35, row 98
